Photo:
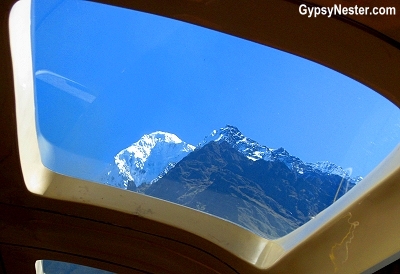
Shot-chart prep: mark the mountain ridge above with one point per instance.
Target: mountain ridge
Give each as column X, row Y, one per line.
column 131, row 165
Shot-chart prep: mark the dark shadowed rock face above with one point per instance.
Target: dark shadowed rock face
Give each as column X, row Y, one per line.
column 265, row 197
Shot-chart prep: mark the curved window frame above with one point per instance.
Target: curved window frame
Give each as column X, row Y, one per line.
column 336, row 221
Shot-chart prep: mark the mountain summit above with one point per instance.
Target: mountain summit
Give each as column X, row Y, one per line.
column 146, row 159
column 248, row 147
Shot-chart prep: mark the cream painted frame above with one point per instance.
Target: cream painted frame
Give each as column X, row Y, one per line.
column 350, row 214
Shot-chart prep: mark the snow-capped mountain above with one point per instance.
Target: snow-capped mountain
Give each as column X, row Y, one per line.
column 248, row 147
column 255, row 151
column 150, row 158
column 146, row 159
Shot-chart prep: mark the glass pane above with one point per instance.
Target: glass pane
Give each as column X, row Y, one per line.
column 253, row 135
column 57, row 267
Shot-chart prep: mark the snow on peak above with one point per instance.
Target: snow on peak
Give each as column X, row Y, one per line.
column 143, row 148
column 145, row 159
column 232, row 135
column 255, row 151
column 160, row 136
column 330, row 168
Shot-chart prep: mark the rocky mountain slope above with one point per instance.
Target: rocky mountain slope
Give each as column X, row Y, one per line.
column 267, row 191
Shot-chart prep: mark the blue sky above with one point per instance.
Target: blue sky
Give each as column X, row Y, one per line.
column 105, row 76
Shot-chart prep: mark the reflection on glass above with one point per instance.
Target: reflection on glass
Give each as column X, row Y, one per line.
column 220, row 124
column 56, row 267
